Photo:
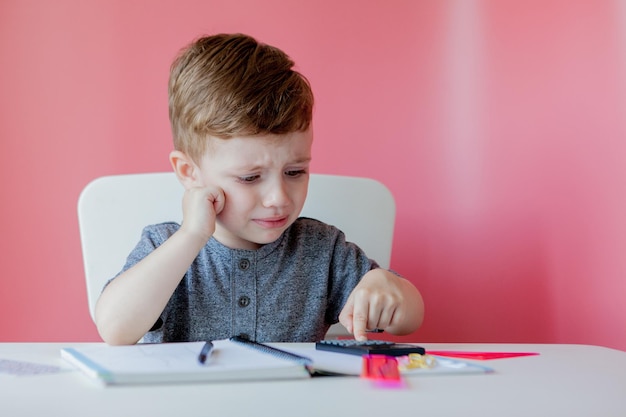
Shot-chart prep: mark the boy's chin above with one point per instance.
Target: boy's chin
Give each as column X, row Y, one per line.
column 267, row 239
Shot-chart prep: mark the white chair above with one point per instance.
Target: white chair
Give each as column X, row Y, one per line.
column 113, row 210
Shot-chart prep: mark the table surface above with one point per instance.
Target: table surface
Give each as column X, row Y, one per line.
column 564, row 380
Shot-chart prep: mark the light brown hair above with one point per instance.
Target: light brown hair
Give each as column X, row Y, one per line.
column 231, row 85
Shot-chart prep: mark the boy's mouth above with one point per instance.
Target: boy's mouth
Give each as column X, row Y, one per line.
column 272, row 222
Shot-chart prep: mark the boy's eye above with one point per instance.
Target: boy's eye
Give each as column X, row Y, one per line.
column 248, row 179
column 295, row 173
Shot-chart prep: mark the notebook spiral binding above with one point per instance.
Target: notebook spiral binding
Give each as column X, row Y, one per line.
column 272, row 350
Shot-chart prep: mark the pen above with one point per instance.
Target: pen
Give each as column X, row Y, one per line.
column 375, row 331
column 205, row 352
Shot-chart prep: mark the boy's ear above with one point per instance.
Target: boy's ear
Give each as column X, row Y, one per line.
column 186, row 170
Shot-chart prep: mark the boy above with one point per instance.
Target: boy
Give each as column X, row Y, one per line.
column 242, row 262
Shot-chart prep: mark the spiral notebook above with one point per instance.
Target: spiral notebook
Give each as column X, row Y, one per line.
column 234, row 359
column 178, row 362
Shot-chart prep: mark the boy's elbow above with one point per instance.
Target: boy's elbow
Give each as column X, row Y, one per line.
column 114, row 335
column 113, row 331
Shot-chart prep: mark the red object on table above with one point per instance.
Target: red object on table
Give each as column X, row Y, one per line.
column 479, row 355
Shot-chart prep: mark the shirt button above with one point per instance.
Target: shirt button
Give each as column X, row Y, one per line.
column 244, row 264
column 244, row 301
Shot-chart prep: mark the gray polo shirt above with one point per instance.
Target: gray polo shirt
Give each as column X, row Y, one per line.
column 290, row 290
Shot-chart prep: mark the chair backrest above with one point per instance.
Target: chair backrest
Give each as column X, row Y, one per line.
column 113, row 210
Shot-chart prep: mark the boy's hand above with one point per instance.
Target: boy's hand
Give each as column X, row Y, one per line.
column 201, row 205
column 373, row 304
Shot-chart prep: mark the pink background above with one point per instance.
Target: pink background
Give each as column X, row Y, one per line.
column 498, row 125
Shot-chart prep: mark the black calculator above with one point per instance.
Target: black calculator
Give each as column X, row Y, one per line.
column 369, row 347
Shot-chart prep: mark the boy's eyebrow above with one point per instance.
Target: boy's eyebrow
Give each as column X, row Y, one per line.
column 256, row 167
column 302, row 160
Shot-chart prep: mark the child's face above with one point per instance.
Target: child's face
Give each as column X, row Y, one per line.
column 265, row 181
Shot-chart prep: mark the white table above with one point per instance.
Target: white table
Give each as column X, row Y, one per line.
column 564, row 380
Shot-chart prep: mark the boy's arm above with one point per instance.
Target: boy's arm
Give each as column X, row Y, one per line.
column 131, row 304
column 383, row 300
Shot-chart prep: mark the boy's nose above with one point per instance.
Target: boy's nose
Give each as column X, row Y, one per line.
column 276, row 195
